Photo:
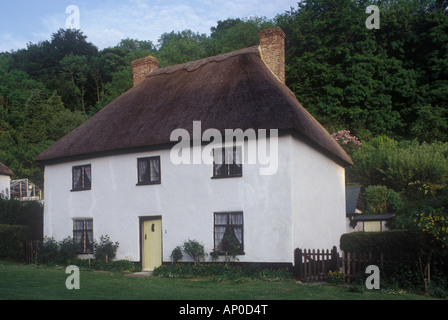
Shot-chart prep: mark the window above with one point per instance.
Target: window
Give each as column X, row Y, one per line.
column 229, row 232
column 227, row 162
column 83, row 234
column 82, row 178
column 148, row 171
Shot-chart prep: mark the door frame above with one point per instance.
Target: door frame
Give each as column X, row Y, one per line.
column 142, row 220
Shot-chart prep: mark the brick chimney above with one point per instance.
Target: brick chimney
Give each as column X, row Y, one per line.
column 142, row 67
column 272, row 48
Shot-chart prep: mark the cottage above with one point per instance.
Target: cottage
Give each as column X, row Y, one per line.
column 5, row 181
column 114, row 175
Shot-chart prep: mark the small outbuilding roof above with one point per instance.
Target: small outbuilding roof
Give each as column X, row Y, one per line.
column 5, row 171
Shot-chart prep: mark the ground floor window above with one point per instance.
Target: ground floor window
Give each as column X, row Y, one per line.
column 229, row 232
column 83, row 234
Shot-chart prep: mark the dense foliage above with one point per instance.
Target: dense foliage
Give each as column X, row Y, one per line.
column 391, row 81
column 11, row 241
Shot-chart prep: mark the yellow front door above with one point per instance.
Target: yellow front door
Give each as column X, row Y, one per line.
column 152, row 244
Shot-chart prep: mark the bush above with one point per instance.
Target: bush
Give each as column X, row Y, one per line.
column 52, row 252
column 176, row 254
column 105, row 249
column 68, row 250
column 417, row 170
column 195, row 250
column 30, row 213
column 12, row 240
column 335, row 277
column 48, row 251
column 391, row 242
column 381, row 200
column 124, row 266
column 222, row 272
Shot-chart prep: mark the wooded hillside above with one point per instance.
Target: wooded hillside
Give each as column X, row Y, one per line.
column 390, row 81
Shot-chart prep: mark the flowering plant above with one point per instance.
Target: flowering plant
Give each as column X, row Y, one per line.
column 348, row 142
column 335, row 277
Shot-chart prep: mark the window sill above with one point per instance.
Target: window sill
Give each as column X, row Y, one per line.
column 225, row 177
column 148, row 183
column 79, row 190
column 221, row 253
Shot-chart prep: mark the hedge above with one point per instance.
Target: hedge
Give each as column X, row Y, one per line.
column 12, row 238
column 28, row 213
column 391, row 242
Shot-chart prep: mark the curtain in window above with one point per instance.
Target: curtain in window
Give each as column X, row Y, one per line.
column 221, row 222
column 78, row 226
column 88, row 236
column 87, row 177
column 155, row 169
column 237, row 222
column 77, row 172
column 142, row 170
column 219, row 160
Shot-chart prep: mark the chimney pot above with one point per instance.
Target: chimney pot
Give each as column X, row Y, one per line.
column 142, row 67
column 272, row 48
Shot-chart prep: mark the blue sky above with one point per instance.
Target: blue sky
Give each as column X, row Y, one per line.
column 106, row 22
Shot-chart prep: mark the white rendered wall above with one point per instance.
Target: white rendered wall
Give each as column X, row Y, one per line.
column 302, row 205
column 5, row 184
column 318, row 198
column 186, row 199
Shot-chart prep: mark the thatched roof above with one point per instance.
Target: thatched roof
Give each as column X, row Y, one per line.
column 5, row 171
column 229, row 91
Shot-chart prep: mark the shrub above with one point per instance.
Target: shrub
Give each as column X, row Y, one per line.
column 124, row 266
column 29, row 213
column 381, row 200
column 48, row 251
column 105, row 249
column 222, row 272
column 348, row 142
column 195, row 250
column 391, row 242
column 176, row 254
column 68, row 250
column 416, row 170
column 11, row 241
column 335, row 277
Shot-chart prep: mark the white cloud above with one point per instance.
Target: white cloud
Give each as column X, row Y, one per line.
column 10, row 42
column 106, row 23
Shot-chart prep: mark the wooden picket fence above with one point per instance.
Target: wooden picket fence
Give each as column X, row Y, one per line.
column 314, row 265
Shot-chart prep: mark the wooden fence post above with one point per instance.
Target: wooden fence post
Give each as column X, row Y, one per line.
column 348, row 263
column 334, row 259
column 298, row 264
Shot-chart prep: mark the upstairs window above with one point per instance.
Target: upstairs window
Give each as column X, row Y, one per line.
column 149, row 171
column 227, row 162
column 82, row 178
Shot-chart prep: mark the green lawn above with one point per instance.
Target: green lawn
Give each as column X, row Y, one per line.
column 19, row 282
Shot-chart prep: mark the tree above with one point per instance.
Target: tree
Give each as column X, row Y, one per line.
column 181, row 47
column 429, row 222
column 234, row 34
column 75, row 69
column 377, row 80
column 381, row 200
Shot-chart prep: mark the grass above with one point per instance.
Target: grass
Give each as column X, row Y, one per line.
column 27, row 282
